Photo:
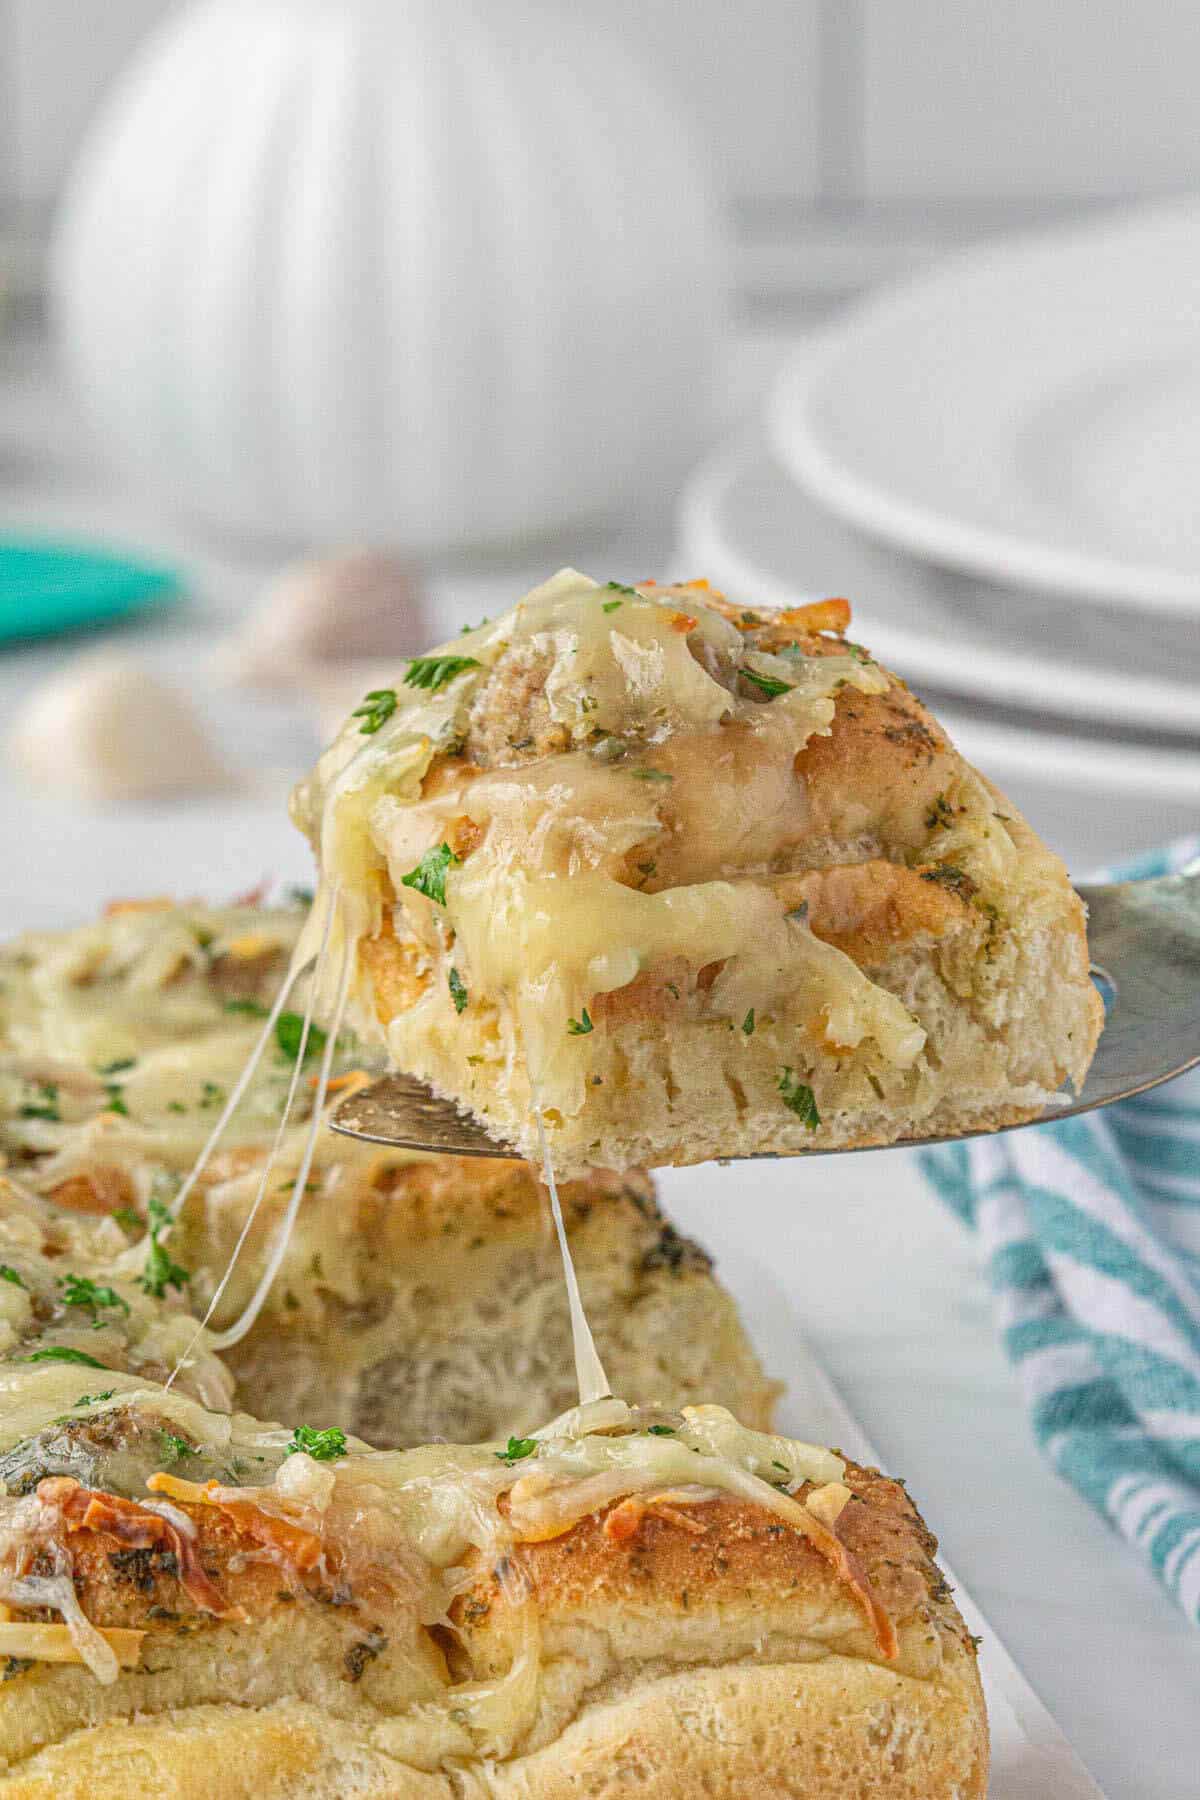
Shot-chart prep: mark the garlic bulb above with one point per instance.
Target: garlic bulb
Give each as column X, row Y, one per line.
column 331, row 610
column 106, row 729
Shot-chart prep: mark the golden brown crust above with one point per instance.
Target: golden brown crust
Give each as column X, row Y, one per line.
column 879, row 773
column 689, row 1551
column 100, row 1190
column 685, row 1555
column 870, row 909
column 976, row 1005
column 125, row 1583
column 397, row 977
column 713, row 1649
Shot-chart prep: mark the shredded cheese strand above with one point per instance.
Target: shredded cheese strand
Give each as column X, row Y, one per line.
column 589, row 1370
column 237, row 1331
column 58, row 1591
column 54, row 1643
column 269, row 1165
column 241, row 1084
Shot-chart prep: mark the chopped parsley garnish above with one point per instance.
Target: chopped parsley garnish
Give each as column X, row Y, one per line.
column 322, row 1446
column 798, row 1098
column 580, row 1027
column 433, row 672
column 80, row 1290
column 766, row 684
column 176, row 1447
column 458, row 991
column 940, row 813
column 661, row 1430
column 518, row 1449
column 128, row 1220
column 429, row 876
column 672, row 990
column 289, row 1034
column 253, row 1009
column 94, row 1399
column 619, row 587
column 651, row 775
column 47, row 1106
column 116, row 1100
column 211, row 1094
column 778, row 1465
column 375, row 710
column 160, row 1271
column 300, row 896
column 611, row 605
column 647, row 869
column 118, row 1066
column 8, row 1273
column 176, row 1106
column 65, row 1354
column 748, row 1023
column 798, row 914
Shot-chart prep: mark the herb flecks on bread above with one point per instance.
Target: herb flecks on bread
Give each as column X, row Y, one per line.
column 418, row 1296
column 184, row 1589
column 704, row 879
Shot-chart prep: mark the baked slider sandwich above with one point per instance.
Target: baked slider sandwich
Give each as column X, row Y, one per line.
column 197, row 1604
column 670, row 879
column 417, row 1296
column 424, row 1297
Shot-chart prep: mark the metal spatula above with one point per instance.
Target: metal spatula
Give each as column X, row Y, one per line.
column 1144, row 939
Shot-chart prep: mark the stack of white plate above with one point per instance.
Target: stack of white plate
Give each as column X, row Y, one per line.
column 999, row 463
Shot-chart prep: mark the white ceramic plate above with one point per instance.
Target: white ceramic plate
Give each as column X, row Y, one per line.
column 1031, row 1759
column 749, row 528
column 1029, row 412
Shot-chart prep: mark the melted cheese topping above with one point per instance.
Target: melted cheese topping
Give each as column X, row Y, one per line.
column 407, row 1518
column 440, row 1500
column 542, row 915
column 156, row 1008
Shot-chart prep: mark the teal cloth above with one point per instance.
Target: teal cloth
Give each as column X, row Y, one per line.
column 1090, row 1235
column 48, row 587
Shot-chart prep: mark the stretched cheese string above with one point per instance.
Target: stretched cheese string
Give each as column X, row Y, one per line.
column 589, row 1370
column 280, row 1246
column 244, row 1079
column 241, row 1325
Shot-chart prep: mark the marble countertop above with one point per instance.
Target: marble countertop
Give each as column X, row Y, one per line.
column 882, row 1276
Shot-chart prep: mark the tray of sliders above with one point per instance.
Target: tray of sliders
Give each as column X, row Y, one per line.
column 636, row 877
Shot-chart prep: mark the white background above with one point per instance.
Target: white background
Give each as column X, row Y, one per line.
column 846, row 135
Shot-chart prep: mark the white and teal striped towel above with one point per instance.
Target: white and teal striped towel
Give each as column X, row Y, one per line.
column 1090, row 1236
